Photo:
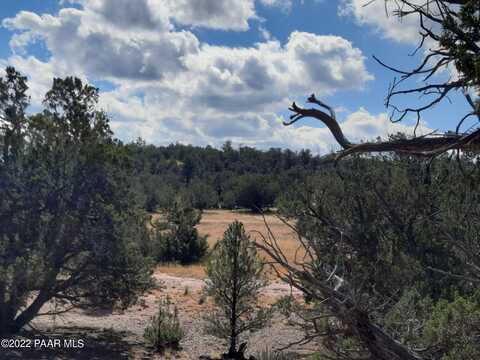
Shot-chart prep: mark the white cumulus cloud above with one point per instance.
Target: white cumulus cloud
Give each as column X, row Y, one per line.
column 380, row 15
column 285, row 5
column 168, row 86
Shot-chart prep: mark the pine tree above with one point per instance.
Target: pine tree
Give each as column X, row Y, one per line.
column 235, row 277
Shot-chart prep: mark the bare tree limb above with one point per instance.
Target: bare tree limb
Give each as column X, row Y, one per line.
column 428, row 146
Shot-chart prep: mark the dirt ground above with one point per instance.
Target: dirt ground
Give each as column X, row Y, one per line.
column 119, row 334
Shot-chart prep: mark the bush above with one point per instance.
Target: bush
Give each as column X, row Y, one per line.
column 450, row 326
column 176, row 239
column 453, row 328
column 164, row 330
column 252, row 192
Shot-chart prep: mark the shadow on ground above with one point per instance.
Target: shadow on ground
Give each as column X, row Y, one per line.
column 97, row 344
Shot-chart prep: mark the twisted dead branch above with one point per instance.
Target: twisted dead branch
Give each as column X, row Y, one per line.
column 427, row 146
column 450, row 41
column 342, row 303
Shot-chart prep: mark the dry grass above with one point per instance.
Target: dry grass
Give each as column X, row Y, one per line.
column 215, row 222
column 193, row 271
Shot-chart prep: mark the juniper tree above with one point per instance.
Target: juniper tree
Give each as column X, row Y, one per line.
column 389, row 258
column 235, row 277
column 69, row 228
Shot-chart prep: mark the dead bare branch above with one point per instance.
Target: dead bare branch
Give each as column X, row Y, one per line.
column 428, row 146
column 344, row 305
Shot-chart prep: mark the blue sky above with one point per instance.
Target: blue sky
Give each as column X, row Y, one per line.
column 207, row 71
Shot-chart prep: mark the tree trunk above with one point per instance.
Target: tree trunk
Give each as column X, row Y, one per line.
column 233, row 345
column 8, row 310
column 233, row 315
column 233, row 326
column 380, row 344
column 30, row 312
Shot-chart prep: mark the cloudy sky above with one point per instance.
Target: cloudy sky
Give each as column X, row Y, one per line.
column 206, row 71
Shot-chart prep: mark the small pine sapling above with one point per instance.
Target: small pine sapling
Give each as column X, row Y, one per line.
column 235, row 277
column 164, row 330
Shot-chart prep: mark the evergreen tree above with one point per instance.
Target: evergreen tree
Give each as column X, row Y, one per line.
column 235, row 276
column 252, row 192
column 69, row 228
column 391, row 262
column 176, row 237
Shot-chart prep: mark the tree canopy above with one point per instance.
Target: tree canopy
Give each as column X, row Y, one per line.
column 388, row 258
column 70, row 230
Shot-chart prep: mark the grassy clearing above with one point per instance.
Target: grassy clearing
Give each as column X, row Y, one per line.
column 215, row 222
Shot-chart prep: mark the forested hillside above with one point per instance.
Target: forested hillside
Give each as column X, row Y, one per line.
column 216, row 178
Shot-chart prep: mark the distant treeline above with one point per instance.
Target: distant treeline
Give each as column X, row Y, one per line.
column 216, row 178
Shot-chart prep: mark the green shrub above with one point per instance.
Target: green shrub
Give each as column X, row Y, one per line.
column 176, row 239
column 406, row 318
column 453, row 328
column 164, row 330
column 254, row 193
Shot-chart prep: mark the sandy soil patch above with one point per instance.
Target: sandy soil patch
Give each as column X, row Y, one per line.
column 119, row 334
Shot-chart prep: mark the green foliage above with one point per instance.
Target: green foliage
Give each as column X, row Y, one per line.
column 405, row 320
column 403, row 237
column 453, row 328
column 317, row 356
column 252, row 192
column 175, row 237
column 201, row 195
column 467, row 58
column 215, row 178
column 70, row 229
column 449, row 327
column 235, row 276
column 450, row 34
column 164, row 330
